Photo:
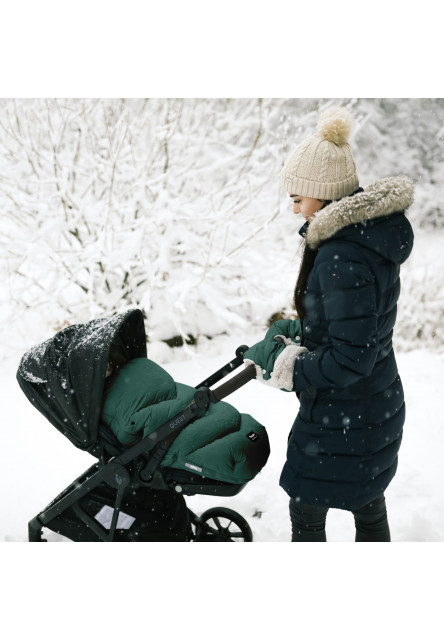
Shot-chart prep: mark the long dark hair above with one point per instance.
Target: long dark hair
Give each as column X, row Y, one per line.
column 300, row 289
column 308, row 258
column 307, row 263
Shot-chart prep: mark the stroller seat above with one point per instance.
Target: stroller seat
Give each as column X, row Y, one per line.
column 221, row 444
column 155, row 440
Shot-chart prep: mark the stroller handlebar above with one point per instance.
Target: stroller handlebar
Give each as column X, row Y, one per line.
column 235, row 383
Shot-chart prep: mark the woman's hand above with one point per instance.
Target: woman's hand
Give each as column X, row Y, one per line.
column 274, row 359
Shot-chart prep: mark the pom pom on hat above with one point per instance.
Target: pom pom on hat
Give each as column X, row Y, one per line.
column 335, row 125
column 322, row 166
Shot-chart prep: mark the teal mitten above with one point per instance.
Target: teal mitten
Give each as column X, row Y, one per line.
column 288, row 328
column 275, row 355
column 263, row 355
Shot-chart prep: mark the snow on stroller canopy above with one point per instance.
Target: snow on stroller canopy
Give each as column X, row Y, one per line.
column 64, row 377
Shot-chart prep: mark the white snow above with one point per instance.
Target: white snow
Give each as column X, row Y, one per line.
column 174, row 206
column 38, row 462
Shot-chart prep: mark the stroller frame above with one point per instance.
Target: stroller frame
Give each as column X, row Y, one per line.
column 139, row 465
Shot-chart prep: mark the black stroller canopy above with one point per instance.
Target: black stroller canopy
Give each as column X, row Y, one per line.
column 64, row 377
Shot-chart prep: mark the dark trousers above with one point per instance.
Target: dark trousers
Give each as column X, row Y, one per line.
column 308, row 522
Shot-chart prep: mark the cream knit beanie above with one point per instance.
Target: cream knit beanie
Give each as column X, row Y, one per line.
column 322, row 166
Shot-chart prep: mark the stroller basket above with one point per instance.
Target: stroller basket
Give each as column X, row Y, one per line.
column 65, row 379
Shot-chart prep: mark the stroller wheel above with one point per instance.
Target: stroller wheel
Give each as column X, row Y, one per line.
column 222, row 525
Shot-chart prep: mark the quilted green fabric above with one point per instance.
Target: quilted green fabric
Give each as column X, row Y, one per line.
column 223, row 444
column 265, row 352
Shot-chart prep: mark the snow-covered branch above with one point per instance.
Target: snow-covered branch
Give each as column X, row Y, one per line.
column 171, row 205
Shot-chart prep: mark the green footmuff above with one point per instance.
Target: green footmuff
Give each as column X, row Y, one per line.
column 223, row 444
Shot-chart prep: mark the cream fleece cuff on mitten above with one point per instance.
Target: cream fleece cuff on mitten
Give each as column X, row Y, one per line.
column 259, row 370
column 282, row 375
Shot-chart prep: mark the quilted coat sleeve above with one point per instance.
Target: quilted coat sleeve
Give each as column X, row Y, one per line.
column 348, row 301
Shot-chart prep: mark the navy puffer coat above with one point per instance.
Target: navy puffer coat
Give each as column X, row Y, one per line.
column 343, row 448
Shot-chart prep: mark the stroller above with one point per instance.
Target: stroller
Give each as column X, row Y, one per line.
column 130, row 493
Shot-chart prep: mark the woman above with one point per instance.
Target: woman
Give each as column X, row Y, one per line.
column 343, row 446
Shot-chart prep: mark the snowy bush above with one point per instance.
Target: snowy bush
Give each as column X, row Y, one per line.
column 174, row 206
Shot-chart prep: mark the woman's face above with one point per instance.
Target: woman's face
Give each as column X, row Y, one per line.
column 306, row 206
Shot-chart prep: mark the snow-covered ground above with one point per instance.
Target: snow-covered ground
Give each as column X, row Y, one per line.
column 214, row 254
column 38, row 462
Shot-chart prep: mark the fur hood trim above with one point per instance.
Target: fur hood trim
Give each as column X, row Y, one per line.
column 381, row 198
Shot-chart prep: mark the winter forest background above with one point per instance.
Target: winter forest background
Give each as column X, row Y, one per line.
column 174, row 206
